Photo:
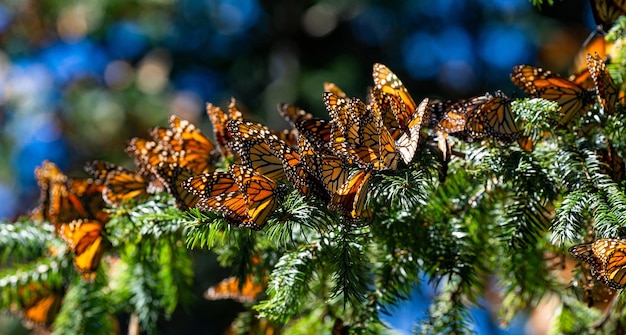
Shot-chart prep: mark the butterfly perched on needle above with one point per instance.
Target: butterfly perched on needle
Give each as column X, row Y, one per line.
column 122, row 185
column 243, row 196
column 186, row 146
column 402, row 117
column 573, row 98
column 76, row 209
column 494, row 119
column 358, row 134
column 607, row 259
column 608, row 92
column 65, row 199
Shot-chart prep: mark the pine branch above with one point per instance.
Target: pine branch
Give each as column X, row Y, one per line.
column 447, row 314
column 23, row 240
column 524, row 277
column 570, row 217
column 94, row 315
column 289, row 284
column 351, row 268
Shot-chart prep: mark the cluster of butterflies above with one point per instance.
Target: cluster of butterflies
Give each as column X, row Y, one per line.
column 246, row 174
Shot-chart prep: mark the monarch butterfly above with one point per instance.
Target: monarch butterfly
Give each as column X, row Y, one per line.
column 64, row 199
column 607, row 258
column 317, row 131
column 148, row 155
column 270, row 156
column 606, row 12
column 407, row 144
column 451, row 117
column 219, row 119
column 358, row 134
column 39, row 305
column 84, row 238
column 402, row 113
column 573, row 98
column 232, row 288
column 332, row 88
column 242, row 195
column 350, row 197
column 172, row 176
column 250, row 143
column 261, row 194
column 186, row 145
column 120, row 184
column 329, row 170
column 607, row 90
column 494, row 118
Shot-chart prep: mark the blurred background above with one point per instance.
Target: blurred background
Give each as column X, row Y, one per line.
column 79, row 78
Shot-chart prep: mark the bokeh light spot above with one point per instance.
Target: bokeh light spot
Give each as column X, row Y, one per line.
column 319, row 20
column 153, row 72
column 118, row 75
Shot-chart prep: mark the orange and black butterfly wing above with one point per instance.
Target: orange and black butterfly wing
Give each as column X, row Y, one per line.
column 172, row 176
column 84, row 238
column 148, row 155
column 494, row 119
column 607, row 259
column 39, row 305
column 219, row 192
column 571, row 97
column 616, row 267
column 333, row 88
column 187, row 146
column 607, row 90
column 53, row 187
column 120, row 184
column 350, row 197
column 317, row 131
column 389, row 84
column 64, row 199
column 407, row 143
column 232, row 288
column 260, row 193
column 254, row 151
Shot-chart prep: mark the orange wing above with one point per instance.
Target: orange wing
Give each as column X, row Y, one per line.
column 121, row 185
column 64, row 199
column 391, row 88
column 187, row 146
column 84, row 238
column 573, row 98
column 494, row 119
column 231, row 288
column 607, row 90
column 317, row 131
column 219, row 119
column 39, row 305
column 607, row 258
column 260, row 193
column 358, row 134
column 172, row 176
column 350, row 197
